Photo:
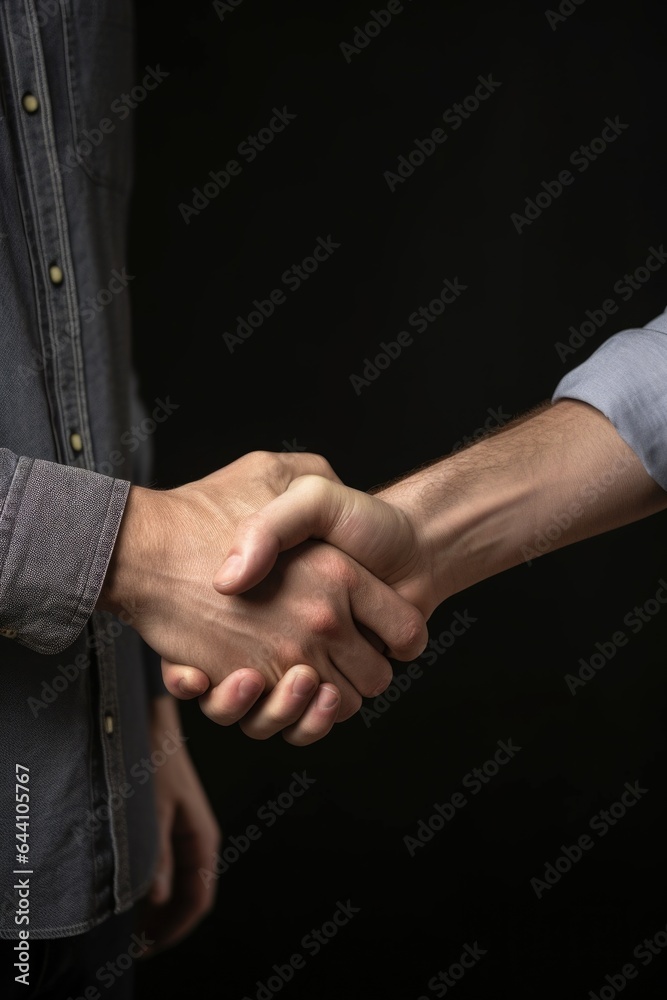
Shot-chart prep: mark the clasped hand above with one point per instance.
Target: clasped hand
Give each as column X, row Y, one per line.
column 299, row 621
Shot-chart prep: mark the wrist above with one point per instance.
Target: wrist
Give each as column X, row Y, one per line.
column 138, row 549
column 463, row 510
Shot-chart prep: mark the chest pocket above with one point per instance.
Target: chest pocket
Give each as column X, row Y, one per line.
column 100, row 41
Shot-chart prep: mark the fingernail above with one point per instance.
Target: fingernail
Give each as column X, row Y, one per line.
column 186, row 688
column 248, row 687
column 229, row 571
column 327, row 698
column 303, row 684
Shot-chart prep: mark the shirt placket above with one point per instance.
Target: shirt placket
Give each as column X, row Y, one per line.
column 45, row 221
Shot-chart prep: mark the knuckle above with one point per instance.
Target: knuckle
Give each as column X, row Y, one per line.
column 322, row 465
column 380, row 681
column 322, row 619
column 336, row 570
column 258, row 456
column 266, row 464
column 411, row 633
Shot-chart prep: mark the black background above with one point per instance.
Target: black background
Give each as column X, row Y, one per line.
column 290, row 382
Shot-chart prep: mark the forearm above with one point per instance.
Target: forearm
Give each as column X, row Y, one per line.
column 545, row 481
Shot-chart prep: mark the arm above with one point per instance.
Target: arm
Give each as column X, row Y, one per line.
column 547, row 480
column 595, row 460
column 168, row 548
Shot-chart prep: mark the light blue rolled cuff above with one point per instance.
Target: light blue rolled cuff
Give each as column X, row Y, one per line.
column 626, row 379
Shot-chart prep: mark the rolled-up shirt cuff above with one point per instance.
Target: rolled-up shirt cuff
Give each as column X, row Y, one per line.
column 626, row 379
column 58, row 527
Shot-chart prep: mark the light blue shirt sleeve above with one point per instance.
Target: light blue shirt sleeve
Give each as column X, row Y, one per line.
column 626, row 379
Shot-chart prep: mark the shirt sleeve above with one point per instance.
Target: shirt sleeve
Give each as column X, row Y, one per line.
column 626, row 379
column 142, row 475
column 58, row 527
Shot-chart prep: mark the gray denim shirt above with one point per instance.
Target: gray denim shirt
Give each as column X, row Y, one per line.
column 76, row 684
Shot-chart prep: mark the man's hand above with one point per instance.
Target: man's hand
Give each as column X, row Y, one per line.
column 384, row 538
column 298, row 706
column 307, row 612
column 189, row 836
column 551, row 478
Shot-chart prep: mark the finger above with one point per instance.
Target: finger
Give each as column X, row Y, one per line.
column 285, row 704
column 183, row 682
column 317, row 720
column 310, row 508
column 399, row 625
column 161, row 886
column 189, row 900
column 228, row 701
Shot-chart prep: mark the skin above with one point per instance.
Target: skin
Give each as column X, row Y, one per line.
column 309, row 634
column 562, row 473
column 189, row 836
column 551, row 478
column 319, row 610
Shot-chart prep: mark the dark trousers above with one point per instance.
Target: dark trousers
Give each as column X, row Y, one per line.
column 100, row 962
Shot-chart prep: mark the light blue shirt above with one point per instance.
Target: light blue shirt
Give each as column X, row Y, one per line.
column 626, row 379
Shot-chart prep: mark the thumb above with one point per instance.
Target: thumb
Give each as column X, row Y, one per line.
column 309, row 508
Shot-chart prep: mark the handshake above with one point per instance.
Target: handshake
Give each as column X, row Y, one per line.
column 306, row 622
column 272, row 576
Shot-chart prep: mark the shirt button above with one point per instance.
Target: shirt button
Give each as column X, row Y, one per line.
column 9, row 633
column 76, row 442
column 56, row 275
column 108, row 724
column 30, row 103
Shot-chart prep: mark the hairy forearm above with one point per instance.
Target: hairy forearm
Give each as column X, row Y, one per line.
column 548, row 479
